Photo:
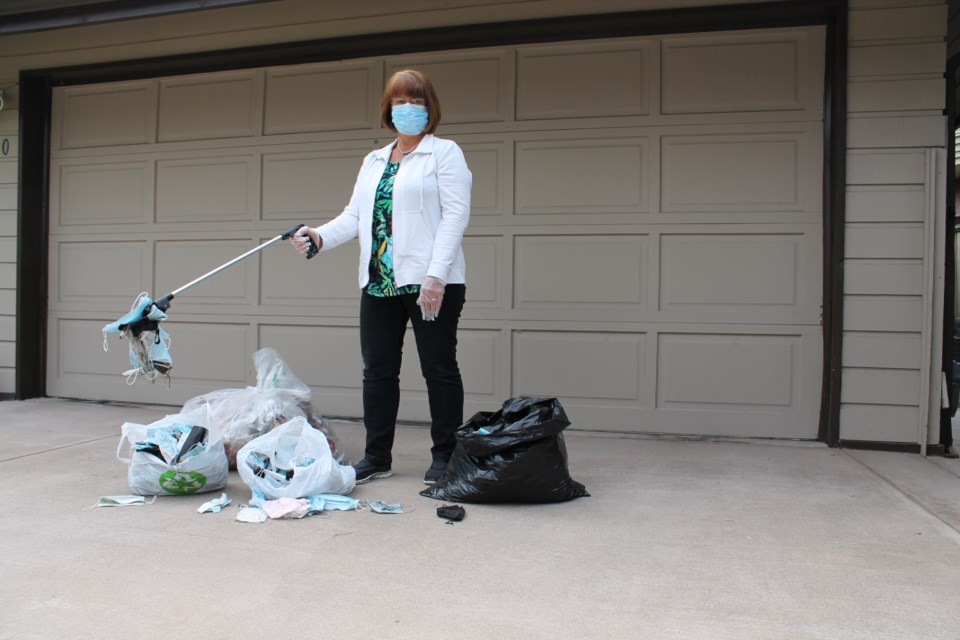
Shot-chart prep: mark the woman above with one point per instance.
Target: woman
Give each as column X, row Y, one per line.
column 410, row 208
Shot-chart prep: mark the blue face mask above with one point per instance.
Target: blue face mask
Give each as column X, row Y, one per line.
column 410, row 119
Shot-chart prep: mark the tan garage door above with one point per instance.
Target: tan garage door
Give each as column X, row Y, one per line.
column 645, row 241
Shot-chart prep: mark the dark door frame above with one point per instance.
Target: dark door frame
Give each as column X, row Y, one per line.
column 950, row 347
column 35, row 113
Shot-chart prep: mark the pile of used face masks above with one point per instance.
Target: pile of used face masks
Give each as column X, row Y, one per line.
column 176, row 455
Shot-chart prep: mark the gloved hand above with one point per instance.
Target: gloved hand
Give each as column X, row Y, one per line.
column 431, row 297
column 301, row 239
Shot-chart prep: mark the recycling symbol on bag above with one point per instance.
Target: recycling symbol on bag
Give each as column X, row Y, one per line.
column 173, row 481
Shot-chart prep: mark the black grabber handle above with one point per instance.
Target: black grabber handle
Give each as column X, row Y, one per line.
column 312, row 251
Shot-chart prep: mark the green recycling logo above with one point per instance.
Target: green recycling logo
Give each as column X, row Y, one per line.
column 173, row 481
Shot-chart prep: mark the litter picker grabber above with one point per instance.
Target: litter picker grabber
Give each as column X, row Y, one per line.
column 149, row 342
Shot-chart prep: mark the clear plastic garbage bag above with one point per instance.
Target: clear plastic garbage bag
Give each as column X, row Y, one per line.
column 293, row 460
column 244, row 414
column 176, row 455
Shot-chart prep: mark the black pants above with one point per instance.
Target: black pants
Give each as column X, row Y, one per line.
column 383, row 323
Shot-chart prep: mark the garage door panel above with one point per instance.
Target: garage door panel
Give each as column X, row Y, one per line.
column 582, row 176
column 323, row 97
column 481, row 360
column 739, row 172
column 85, row 357
column 327, row 359
column 324, row 357
column 105, row 115
column 328, row 279
column 492, row 167
column 484, row 257
column 309, row 185
column 84, row 368
column 102, row 193
column 736, row 273
column 601, row 87
column 180, row 262
column 104, row 271
column 472, row 85
column 478, row 352
column 203, row 107
column 739, row 72
column 729, row 372
column 222, row 189
column 221, row 357
column 600, row 366
column 581, row 271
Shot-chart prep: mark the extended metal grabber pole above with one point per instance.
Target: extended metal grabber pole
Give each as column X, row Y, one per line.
column 163, row 303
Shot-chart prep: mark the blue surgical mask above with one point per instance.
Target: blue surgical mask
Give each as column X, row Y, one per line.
column 410, row 119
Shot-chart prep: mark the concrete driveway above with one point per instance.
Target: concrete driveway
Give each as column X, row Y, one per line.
column 679, row 540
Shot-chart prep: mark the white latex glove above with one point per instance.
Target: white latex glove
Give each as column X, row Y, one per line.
column 300, row 239
column 431, row 297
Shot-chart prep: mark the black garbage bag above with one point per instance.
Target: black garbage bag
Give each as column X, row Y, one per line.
column 516, row 454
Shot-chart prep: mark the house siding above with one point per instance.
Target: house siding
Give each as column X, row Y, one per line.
column 896, row 96
column 8, row 239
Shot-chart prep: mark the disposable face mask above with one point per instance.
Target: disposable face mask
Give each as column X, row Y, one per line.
column 332, row 502
column 215, row 505
column 288, row 508
column 387, row 507
column 410, row 119
column 121, row 501
column 251, row 514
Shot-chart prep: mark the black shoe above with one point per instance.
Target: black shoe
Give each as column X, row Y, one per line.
column 435, row 472
column 367, row 471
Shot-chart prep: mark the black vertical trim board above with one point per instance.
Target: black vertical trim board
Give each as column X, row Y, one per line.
column 834, row 221
column 950, row 258
column 32, row 226
column 35, row 96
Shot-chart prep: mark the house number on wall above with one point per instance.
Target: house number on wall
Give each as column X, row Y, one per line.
column 5, row 146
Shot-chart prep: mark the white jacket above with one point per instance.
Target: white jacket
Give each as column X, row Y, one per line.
column 431, row 208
